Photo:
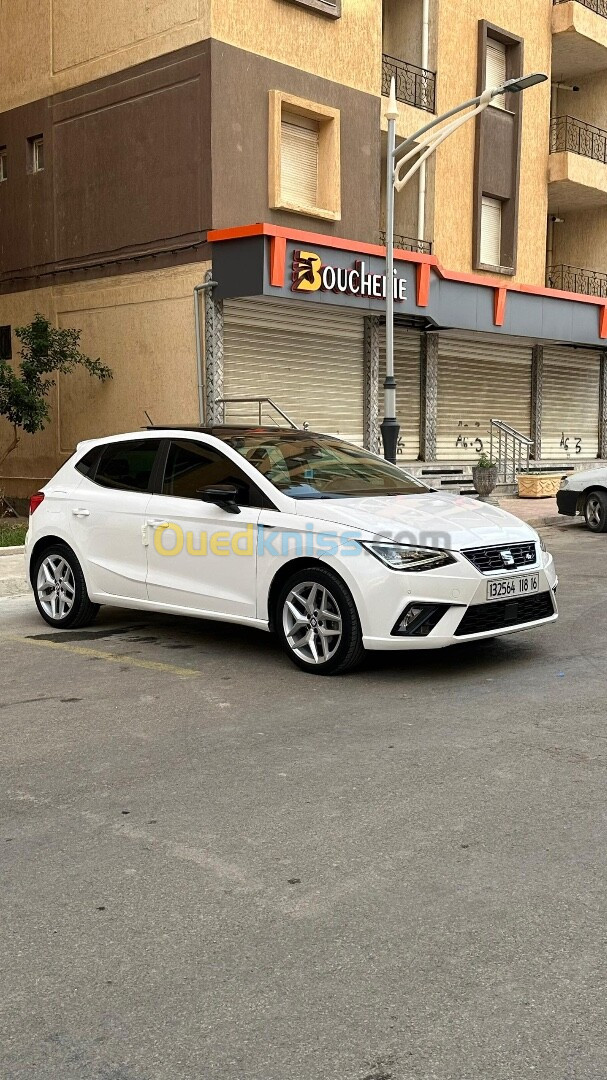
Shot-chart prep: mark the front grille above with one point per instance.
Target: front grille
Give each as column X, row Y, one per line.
column 481, row 618
column 488, row 559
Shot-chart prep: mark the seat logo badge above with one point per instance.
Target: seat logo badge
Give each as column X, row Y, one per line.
column 507, row 557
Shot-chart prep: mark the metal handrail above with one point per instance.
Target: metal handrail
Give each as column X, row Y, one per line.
column 408, row 243
column 598, row 6
column 575, row 279
column 414, row 85
column 570, row 135
column 509, row 459
column 259, row 401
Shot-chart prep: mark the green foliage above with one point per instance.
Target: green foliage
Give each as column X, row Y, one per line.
column 45, row 351
column 484, row 462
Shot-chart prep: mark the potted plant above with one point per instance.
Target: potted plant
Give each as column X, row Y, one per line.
column 484, row 476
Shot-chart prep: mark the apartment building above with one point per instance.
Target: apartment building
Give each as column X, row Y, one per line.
column 198, row 185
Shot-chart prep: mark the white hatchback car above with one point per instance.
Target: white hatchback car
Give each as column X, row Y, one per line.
column 585, row 492
column 329, row 546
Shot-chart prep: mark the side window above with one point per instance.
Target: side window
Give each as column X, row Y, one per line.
column 127, row 466
column 192, row 465
column 86, row 465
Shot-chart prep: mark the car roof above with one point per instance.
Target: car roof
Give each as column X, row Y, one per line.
column 222, row 432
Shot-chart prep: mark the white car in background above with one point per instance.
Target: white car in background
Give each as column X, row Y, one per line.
column 327, row 545
column 585, row 493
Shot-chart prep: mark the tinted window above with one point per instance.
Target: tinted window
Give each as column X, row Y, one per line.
column 321, row 467
column 86, row 464
column 192, row 465
column 127, row 466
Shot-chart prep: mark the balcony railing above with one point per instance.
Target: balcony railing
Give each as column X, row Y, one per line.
column 599, row 6
column 572, row 279
column 409, row 243
column 575, row 136
column 414, row 85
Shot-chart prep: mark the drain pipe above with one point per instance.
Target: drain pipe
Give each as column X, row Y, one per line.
column 198, row 289
column 421, row 198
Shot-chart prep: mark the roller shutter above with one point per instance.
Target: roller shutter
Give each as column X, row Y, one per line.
column 480, row 379
column 309, row 360
column 570, row 408
column 407, row 375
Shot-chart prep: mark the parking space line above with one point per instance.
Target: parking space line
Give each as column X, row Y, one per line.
column 99, row 654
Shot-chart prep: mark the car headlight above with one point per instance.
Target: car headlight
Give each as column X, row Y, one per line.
column 403, row 557
column 564, row 483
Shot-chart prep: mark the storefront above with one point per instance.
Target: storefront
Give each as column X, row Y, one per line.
column 302, row 323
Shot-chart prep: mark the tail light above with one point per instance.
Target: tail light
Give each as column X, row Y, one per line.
column 35, row 501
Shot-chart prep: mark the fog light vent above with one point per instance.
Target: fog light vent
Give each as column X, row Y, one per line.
column 417, row 620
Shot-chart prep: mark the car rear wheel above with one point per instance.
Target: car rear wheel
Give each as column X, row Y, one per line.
column 60, row 589
column 595, row 511
column 317, row 623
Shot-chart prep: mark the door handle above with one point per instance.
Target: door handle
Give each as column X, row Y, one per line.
column 157, row 523
column 81, row 512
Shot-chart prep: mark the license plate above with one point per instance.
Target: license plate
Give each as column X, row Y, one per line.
column 503, row 588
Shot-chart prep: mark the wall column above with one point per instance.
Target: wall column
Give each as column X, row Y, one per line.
column 371, row 383
column 603, row 407
column 429, row 395
column 213, row 354
column 537, row 386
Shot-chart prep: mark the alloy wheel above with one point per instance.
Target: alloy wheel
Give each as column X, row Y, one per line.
column 56, row 587
column 312, row 622
column 593, row 512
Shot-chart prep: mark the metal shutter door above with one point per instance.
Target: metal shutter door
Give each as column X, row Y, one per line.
column 299, row 160
column 407, row 345
column 310, row 362
column 495, row 69
column 477, row 381
column 491, row 232
column 570, row 404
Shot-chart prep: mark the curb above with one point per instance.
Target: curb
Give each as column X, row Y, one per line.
column 12, row 550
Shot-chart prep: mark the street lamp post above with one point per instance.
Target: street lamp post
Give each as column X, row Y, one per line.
column 420, row 145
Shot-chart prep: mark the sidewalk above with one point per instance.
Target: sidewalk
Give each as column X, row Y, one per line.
column 12, row 572
column 539, row 513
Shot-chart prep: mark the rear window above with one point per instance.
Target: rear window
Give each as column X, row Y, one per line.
column 86, row 465
column 127, row 466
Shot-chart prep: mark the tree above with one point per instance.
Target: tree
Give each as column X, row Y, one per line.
column 45, row 351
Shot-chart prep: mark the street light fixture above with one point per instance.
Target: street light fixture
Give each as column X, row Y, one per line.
column 420, row 145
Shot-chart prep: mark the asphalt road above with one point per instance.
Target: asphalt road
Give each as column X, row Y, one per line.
column 215, row 866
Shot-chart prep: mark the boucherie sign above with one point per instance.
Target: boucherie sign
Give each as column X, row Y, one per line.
column 310, row 275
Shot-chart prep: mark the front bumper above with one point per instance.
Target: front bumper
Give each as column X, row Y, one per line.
column 462, row 591
column 567, row 501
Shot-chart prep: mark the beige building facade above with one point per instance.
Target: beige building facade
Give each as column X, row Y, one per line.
column 164, row 127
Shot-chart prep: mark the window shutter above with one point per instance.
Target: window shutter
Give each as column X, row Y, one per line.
column 299, row 160
column 491, row 231
column 495, row 69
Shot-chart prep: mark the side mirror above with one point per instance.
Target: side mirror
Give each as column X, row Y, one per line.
column 222, row 495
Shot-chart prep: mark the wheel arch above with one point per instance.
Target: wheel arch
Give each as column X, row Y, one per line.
column 46, row 541
column 285, row 572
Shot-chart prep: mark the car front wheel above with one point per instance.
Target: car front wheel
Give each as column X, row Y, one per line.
column 595, row 511
column 60, row 589
column 317, row 622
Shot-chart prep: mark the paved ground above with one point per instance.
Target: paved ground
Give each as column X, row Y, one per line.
column 215, row 866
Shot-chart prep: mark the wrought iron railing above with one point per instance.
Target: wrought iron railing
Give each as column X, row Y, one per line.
column 599, row 6
column 510, row 450
column 573, row 279
column 408, row 243
column 259, row 403
column 414, row 85
column 577, row 137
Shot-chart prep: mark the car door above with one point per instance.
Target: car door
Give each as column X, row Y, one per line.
column 201, row 557
column 108, row 515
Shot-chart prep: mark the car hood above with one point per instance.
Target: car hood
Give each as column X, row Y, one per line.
column 430, row 519
column 581, row 479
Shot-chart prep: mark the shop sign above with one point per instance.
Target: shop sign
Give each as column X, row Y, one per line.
column 310, row 275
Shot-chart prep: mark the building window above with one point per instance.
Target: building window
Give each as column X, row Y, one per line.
column 304, row 157
column 3, row 164
column 35, row 154
column 6, row 348
column 491, row 231
column 495, row 69
column 332, row 8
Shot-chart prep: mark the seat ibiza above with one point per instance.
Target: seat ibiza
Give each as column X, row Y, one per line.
column 328, row 546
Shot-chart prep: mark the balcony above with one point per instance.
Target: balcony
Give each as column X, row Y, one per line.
column 414, row 85
column 573, row 279
column 579, row 38
column 408, row 243
column 577, row 167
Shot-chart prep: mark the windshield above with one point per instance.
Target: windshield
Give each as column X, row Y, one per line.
column 321, row 467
